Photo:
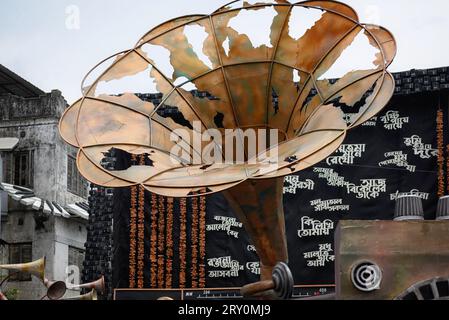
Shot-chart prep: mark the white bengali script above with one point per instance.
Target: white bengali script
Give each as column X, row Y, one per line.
column 251, row 248
column 349, row 152
column 320, row 258
column 223, row 274
column 332, row 177
column 226, row 224
column 399, row 159
column 311, row 227
column 424, row 151
column 232, row 267
column 367, row 189
column 393, row 121
column 253, row 267
column 414, row 192
column 329, row 205
column 292, row 184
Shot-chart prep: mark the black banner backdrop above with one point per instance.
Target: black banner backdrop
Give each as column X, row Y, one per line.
column 402, row 150
column 393, row 153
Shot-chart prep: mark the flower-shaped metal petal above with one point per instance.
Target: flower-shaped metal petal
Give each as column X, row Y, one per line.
column 310, row 70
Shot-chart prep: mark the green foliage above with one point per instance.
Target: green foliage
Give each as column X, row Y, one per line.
column 12, row 294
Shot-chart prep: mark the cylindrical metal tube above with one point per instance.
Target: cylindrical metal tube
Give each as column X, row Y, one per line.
column 443, row 208
column 408, row 208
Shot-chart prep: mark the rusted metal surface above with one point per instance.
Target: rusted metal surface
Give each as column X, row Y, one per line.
column 242, row 74
column 436, row 288
column 256, row 288
column 277, row 76
column 407, row 253
column 259, row 206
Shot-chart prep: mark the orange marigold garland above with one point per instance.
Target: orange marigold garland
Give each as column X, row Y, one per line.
column 440, row 143
column 141, row 233
column 194, row 241
column 161, row 244
column 182, row 242
column 169, row 242
column 202, row 279
column 447, row 168
column 153, row 241
column 132, row 234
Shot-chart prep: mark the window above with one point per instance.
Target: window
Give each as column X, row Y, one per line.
column 76, row 258
column 76, row 184
column 20, row 253
column 23, row 174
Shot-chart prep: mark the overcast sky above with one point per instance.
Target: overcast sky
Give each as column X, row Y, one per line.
column 54, row 43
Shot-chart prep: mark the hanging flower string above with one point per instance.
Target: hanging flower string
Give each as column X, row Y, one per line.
column 153, row 241
column 440, row 143
column 161, row 244
column 194, row 239
column 132, row 233
column 169, row 242
column 447, row 168
column 202, row 279
column 141, row 232
column 182, row 242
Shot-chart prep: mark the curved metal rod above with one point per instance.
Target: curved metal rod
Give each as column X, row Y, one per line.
column 7, row 279
column 252, row 289
column 270, row 73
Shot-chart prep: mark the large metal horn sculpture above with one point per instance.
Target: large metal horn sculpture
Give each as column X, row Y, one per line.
column 36, row 268
column 55, row 289
column 92, row 295
column 310, row 71
column 98, row 285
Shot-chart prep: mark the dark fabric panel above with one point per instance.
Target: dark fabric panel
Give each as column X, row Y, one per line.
column 384, row 139
column 395, row 152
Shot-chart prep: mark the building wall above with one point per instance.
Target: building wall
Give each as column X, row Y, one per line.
column 42, row 245
column 52, row 241
column 35, row 122
column 68, row 233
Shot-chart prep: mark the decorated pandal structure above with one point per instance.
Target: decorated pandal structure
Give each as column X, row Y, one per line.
column 307, row 73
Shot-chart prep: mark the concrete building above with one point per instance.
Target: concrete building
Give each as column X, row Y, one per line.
column 47, row 217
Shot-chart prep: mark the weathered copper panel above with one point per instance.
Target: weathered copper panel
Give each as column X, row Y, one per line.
column 276, row 84
column 184, row 60
column 307, row 52
column 377, row 105
column 104, row 123
column 252, row 78
column 220, row 105
column 285, row 85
